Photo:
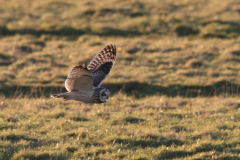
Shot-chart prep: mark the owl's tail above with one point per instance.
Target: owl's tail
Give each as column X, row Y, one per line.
column 61, row 95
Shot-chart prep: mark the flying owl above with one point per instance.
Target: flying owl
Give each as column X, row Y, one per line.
column 83, row 82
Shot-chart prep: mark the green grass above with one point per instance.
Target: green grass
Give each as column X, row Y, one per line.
column 155, row 127
column 174, row 89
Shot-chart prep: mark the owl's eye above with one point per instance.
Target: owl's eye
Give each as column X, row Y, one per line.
column 103, row 94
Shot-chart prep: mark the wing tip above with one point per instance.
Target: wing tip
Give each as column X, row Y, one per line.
column 111, row 47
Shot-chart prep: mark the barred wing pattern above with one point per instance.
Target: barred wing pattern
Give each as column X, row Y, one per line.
column 79, row 78
column 102, row 63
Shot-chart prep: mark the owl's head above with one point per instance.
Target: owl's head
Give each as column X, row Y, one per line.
column 103, row 95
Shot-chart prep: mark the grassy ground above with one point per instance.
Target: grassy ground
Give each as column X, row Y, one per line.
column 174, row 90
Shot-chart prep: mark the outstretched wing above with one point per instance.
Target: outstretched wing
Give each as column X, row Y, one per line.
column 79, row 78
column 102, row 63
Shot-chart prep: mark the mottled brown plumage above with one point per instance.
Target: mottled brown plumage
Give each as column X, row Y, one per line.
column 83, row 82
column 102, row 63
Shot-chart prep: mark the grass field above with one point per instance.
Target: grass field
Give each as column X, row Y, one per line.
column 174, row 89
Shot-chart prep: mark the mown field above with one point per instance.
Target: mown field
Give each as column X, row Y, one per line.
column 174, row 89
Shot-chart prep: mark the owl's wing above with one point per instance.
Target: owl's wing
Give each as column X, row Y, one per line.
column 79, row 78
column 102, row 63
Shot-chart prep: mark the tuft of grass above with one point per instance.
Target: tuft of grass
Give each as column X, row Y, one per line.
column 194, row 63
column 178, row 128
column 79, row 119
column 56, row 115
column 5, row 125
column 71, row 149
column 130, row 119
column 133, row 120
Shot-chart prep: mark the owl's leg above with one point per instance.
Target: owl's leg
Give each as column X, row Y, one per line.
column 56, row 96
column 59, row 96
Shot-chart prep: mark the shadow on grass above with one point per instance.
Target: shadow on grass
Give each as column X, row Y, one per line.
column 16, row 138
column 138, row 89
column 206, row 147
column 232, row 31
column 73, row 33
column 10, row 151
column 33, row 155
column 129, row 119
column 134, row 88
column 147, row 143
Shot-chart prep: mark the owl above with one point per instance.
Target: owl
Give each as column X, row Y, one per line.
column 83, row 82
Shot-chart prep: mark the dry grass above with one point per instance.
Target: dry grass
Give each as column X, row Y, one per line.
column 174, row 88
